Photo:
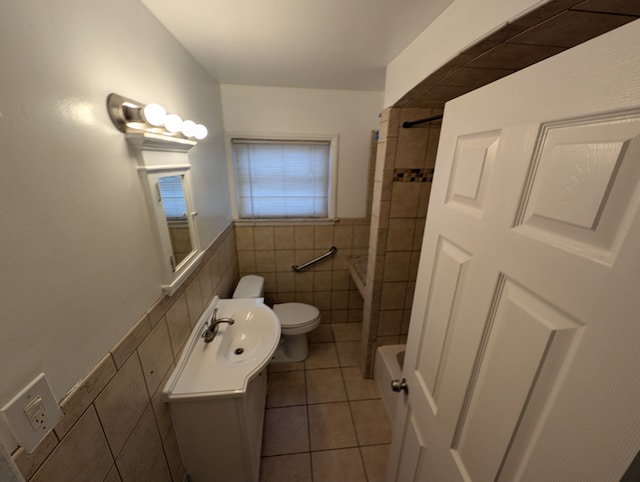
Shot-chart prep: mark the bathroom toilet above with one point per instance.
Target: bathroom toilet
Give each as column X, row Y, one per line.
column 296, row 320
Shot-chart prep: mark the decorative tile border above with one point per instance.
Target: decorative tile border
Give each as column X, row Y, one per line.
column 413, row 175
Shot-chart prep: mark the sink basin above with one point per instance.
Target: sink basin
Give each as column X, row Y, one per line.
column 250, row 338
column 237, row 353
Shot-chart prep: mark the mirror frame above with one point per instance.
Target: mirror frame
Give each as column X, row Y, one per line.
column 160, row 157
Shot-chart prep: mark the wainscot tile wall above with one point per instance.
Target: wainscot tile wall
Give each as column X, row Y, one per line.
column 116, row 427
column 271, row 251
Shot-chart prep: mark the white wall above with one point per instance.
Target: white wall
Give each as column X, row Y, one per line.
column 78, row 262
column 460, row 25
column 351, row 114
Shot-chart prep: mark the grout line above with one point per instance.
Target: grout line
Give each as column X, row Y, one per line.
column 306, row 397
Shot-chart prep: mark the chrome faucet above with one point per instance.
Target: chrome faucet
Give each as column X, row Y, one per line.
column 210, row 333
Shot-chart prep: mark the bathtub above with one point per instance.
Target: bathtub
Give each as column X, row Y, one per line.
column 388, row 366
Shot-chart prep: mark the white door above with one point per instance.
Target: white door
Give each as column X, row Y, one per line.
column 523, row 360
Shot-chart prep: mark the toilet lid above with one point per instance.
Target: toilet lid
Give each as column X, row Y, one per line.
column 296, row 314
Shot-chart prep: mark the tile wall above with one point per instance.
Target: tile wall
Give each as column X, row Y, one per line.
column 542, row 32
column 402, row 183
column 116, row 426
column 271, row 251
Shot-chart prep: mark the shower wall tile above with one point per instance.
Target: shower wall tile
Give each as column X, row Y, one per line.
column 401, row 189
column 400, row 234
column 405, row 199
column 396, row 265
column 110, row 412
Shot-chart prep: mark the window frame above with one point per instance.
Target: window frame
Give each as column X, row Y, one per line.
column 332, row 139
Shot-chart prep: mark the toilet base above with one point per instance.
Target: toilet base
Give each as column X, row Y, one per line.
column 292, row 348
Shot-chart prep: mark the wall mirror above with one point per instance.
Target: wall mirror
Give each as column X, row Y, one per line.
column 171, row 206
column 177, row 213
column 164, row 168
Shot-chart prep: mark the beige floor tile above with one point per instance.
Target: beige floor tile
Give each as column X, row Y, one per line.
column 347, row 331
column 331, row 426
column 371, row 422
column 338, row 465
column 322, row 334
column 325, row 385
column 290, row 468
column 375, row 459
column 359, row 388
column 348, row 353
column 285, row 366
column 286, row 389
column 322, row 355
column 285, row 431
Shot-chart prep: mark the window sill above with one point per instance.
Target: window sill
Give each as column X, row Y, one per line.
column 286, row 222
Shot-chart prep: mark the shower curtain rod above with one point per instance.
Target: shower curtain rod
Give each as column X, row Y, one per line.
column 409, row 124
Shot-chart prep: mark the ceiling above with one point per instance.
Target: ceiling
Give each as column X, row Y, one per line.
column 324, row 44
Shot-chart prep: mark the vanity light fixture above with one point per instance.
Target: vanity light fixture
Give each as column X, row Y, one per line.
column 132, row 117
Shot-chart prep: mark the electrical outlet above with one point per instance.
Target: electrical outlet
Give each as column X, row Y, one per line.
column 36, row 414
column 32, row 413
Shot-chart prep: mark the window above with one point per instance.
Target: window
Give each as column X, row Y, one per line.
column 282, row 178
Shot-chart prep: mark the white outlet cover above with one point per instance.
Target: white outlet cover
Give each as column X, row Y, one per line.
column 17, row 419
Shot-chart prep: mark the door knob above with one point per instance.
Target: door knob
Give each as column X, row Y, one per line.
column 400, row 385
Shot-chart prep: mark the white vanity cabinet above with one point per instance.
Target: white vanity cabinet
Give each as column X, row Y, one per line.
column 220, row 438
column 218, row 391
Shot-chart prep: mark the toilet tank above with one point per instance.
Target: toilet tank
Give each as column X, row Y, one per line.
column 250, row 286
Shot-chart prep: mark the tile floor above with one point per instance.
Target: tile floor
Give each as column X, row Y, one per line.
column 324, row 422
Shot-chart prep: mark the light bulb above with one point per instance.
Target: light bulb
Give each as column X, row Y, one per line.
column 173, row 123
column 200, row 132
column 154, row 114
column 189, row 128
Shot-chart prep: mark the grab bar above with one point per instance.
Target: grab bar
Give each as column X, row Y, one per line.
column 332, row 251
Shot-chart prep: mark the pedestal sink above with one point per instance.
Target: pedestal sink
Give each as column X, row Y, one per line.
column 217, row 392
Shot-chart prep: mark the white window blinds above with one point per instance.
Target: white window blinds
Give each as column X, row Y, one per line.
column 172, row 194
column 281, row 179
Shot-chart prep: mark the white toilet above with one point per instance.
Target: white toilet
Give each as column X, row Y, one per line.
column 296, row 320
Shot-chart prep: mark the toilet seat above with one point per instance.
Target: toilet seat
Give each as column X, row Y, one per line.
column 296, row 318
